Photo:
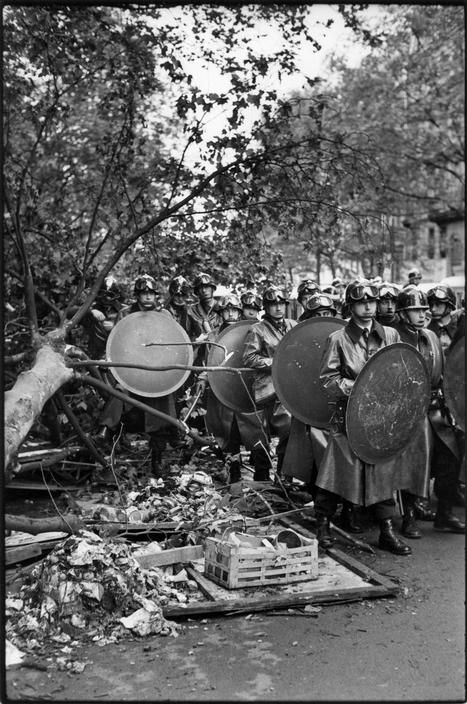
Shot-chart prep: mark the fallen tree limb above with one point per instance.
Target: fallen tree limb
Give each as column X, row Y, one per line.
column 68, row 523
column 106, row 388
column 24, row 402
column 75, row 424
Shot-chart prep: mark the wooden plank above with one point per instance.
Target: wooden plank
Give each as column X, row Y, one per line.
column 209, row 589
column 171, row 556
column 271, row 602
column 348, row 561
column 22, row 553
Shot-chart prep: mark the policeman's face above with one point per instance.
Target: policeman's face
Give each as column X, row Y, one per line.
column 205, row 293
column 250, row 313
column 438, row 310
column 178, row 299
column 364, row 311
column 387, row 306
column 324, row 313
column 147, row 299
column 276, row 310
column 416, row 317
column 230, row 315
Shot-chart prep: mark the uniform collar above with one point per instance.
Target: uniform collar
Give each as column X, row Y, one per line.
column 355, row 331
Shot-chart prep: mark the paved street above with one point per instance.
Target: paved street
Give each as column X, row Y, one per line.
column 408, row 649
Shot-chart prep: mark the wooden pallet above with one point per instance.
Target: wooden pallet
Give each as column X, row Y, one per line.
column 342, row 579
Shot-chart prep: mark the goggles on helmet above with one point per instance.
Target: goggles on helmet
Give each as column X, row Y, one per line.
column 250, row 300
column 439, row 293
column 360, row 291
column 307, row 286
column 145, row 283
column 273, row 295
column 318, row 301
column 388, row 291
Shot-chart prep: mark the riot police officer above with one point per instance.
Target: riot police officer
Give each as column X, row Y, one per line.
column 442, row 302
column 386, row 304
column 341, row 473
column 202, row 317
column 260, row 344
column 319, row 305
column 103, row 316
column 232, row 428
column 160, row 432
column 176, row 303
column 251, row 305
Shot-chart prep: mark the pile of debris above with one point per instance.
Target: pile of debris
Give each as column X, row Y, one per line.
column 89, row 588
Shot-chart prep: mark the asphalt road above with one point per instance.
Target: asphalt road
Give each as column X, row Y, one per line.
column 409, row 648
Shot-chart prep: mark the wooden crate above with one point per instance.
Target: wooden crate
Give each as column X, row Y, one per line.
column 236, row 567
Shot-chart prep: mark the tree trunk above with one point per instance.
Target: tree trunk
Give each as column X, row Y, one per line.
column 24, row 402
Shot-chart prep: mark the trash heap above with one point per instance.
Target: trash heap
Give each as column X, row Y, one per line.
column 89, row 588
column 187, row 499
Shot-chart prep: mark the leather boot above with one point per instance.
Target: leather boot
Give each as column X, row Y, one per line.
column 388, row 540
column 446, row 521
column 156, row 463
column 409, row 524
column 349, row 519
column 459, row 498
column 422, row 510
column 235, row 474
column 325, row 539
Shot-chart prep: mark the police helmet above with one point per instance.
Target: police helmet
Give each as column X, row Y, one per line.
column 358, row 291
column 320, row 301
column 230, row 301
column 145, row 283
column 388, row 290
column 110, row 291
column 442, row 294
column 179, row 286
column 203, row 280
column 274, row 294
column 249, row 299
column 307, row 286
column 411, row 298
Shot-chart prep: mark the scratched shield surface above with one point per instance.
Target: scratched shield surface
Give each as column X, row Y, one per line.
column 295, row 370
column 150, row 339
column 233, row 389
column 454, row 382
column 388, row 401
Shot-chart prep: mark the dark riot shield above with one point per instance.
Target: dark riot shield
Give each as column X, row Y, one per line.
column 295, row 370
column 131, row 340
column 454, row 382
column 387, row 403
column 436, row 360
column 233, row 389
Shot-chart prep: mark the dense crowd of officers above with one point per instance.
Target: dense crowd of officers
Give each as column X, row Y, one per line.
column 377, row 313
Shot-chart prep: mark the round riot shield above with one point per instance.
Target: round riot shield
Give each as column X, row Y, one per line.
column 454, row 382
column 150, row 339
column 436, row 360
column 233, row 389
column 388, row 401
column 295, row 370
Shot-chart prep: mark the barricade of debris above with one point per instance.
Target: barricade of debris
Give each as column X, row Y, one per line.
column 93, row 587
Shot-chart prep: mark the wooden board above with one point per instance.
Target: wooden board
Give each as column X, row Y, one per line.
column 22, row 553
column 170, row 556
column 341, row 579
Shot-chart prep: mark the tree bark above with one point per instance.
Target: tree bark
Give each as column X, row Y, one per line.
column 24, row 402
